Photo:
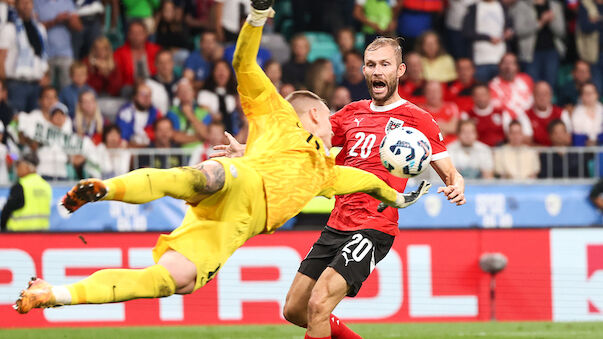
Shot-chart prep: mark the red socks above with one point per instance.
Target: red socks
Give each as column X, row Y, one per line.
column 338, row 330
column 341, row 331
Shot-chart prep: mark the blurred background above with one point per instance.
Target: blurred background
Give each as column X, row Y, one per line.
column 92, row 88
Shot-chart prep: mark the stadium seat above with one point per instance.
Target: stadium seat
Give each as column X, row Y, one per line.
column 322, row 45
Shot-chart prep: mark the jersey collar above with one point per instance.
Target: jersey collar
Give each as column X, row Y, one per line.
column 386, row 108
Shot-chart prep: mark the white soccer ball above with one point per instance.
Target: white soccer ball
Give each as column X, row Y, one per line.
column 405, row 152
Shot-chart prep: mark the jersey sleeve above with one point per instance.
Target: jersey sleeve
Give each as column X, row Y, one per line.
column 337, row 125
column 430, row 128
column 352, row 180
column 258, row 94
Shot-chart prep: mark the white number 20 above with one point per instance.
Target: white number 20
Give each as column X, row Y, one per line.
column 365, row 142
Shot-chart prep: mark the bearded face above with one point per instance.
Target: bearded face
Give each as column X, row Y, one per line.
column 382, row 71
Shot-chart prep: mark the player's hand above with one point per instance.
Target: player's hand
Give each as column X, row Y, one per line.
column 406, row 199
column 454, row 194
column 233, row 150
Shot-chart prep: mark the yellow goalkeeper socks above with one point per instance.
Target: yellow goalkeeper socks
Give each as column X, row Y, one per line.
column 147, row 184
column 114, row 285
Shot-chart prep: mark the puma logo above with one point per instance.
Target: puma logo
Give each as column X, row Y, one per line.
column 357, row 121
column 345, row 256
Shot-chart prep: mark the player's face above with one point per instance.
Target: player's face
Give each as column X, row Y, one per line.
column 382, row 71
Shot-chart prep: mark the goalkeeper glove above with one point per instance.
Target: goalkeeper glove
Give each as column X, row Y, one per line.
column 406, row 199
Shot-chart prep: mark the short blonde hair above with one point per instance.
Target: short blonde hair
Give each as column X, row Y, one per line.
column 391, row 42
column 301, row 97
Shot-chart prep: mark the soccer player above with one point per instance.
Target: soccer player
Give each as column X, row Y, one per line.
column 286, row 164
column 357, row 236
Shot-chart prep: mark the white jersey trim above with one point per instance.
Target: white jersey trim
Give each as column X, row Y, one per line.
column 386, row 108
column 440, row 156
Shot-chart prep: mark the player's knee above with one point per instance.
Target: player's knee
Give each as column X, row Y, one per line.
column 295, row 314
column 318, row 304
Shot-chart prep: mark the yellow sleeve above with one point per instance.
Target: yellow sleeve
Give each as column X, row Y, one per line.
column 352, row 180
column 258, row 94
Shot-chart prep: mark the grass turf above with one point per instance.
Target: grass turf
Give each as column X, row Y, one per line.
column 543, row 330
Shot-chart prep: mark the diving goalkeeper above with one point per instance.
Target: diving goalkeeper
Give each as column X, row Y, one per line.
column 286, row 164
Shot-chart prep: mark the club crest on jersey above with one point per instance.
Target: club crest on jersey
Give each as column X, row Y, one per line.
column 392, row 124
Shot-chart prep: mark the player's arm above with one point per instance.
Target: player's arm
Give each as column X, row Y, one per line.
column 351, row 180
column 252, row 80
column 455, row 184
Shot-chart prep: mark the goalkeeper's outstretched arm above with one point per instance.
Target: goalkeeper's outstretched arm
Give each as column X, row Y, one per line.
column 251, row 78
column 352, row 180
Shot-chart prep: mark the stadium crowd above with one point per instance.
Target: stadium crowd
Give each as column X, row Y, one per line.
column 84, row 83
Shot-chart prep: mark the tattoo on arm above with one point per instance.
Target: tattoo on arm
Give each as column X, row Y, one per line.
column 214, row 177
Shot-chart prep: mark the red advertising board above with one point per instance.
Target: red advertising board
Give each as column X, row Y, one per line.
column 428, row 276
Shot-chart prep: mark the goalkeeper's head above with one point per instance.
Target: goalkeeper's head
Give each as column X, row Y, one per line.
column 313, row 113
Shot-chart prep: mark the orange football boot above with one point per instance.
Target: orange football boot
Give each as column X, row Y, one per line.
column 37, row 295
column 87, row 190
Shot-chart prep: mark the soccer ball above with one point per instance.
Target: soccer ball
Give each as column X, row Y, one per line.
column 405, row 152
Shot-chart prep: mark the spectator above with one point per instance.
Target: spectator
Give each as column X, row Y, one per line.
column 472, row 158
column 198, row 65
column 6, row 110
column 353, row 79
column 540, row 30
column 92, row 16
column 215, row 137
column 59, row 17
column 567, row 95
column 516, row 160
column 23, row 57
column 164, row 139
column 136, row 118
column 136, row 58
column 166, row 78
column 486, row 27
column 113, row 152
column 437, row 64
column 455, row 41
column 88, row 119
column 560, row 163
column 377, row 17
column 188, row 119
column 274, row 72
column 141, row 11
column 587, row 117
column 417, row 16
column 218, row 96
column 69, row 94
column 227, row 15
column 294, row 71
column 286, row 89
column 346, row 42
column 28, row 205
column 489, row 119
column 544, row 112
column 171, row 32
column 446, row 114
column 412, row 85
column 320, row 78
column 459, row 91
column 6, row 9
column 103, row 75
column 341, row 97
column 197, row 15
column 513, row 90
column 589, row 38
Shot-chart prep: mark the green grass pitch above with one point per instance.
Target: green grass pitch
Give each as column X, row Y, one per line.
column 544, row 330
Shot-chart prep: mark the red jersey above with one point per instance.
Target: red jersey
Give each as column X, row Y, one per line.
column 359, row 128
column 446, row 113
column 489, row 124
column 460, row 94
column 513, row 96
column 412, row 91
column 540, row 122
